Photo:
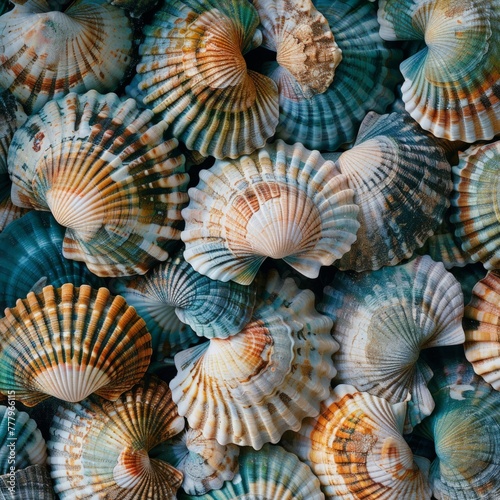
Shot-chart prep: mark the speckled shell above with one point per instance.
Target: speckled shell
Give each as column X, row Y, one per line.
column 31, row 483
column 46, row 53
column 250, row 388
column 106, row 174
column 100, row 449
column 282, row 202
column 193, row 72
column 356, row 448
column 31, row 250
column 70, row 342
column 452, row 85
column 383, row 319
column 401, row 183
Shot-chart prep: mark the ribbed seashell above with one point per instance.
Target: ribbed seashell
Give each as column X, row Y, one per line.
column 136, row 8
column 250, row 388
column 21, row 442
column 363, row 81
column 356, row 448
column 31, row 250
column 383, row 319
column 31, row 483
column 211, row 308
column 271, row 474
column 106, row 174
column 71, row 342
column 101, row 449
column 475, row 200
column 193, row 72
column 303, row 42
column 48, row 51
column 451, row 85
column 401, row 183
column 282, row 201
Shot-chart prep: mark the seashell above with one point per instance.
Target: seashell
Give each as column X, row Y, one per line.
column 101, row 449
column 136, row 8
column 468, row 276
column 31, row 483
column 356, row 448
column 451, row 86
column 401, row 182
column 4, row 6
column 363, row 81
column 31, row 249
column 21, row 442
column 107, row 175
column 482, row 329
column 250, row 388
column 194, row 74
column 71, row 342
column 475, row 202
column 282, row 202
column 383, row 319
column 93, row 40
column 271, row 474
column 303, row 42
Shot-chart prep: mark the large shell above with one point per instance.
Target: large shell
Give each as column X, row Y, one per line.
column 45, row 53
column 250, row 388
column 383, row 319
column 70, row 342
column 193, row 72
column 272, row 474
column 283, row 202
column 356, row 448
column 401, row 182
column 31, row 483
column 100, row 449
column 107, row 174
column 452, row 85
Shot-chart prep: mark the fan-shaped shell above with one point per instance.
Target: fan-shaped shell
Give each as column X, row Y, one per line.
column 452, row 85
column 250, row 388
column 356, row 448
column 46, row 52
column 100, row 449
column 70, row 342
column 31, row 483
column 382, row 319
column 271, row 474
column 193, row 72
column 401, row 183
column 106, row 174
column 282, row 202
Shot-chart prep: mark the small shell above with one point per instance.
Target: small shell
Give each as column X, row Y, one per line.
column 70, row 342
column 282, row 202
column 451, row 85
column 45, row 53
column 100, row 449
column 31, row 483
column 250, row 388
column 356, row 448
column 193, row 72
column 107, row 174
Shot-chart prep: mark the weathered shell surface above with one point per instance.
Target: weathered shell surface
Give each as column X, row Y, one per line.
column 31, row 483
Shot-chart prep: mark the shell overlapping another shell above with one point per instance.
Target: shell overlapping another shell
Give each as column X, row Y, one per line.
column 106, row 174
column 71, row 342
column 31, row 483
column 282, row 201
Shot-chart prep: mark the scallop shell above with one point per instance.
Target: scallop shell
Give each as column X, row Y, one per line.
column 106, row 174
column 70, row 342
column 271, row 474
column 31, row 249
column 363, row 81
column 383, row 319
column 100, row 449
column 193, row 72
column 452, row 85
column 250, row 388
column 282, row 202
column 21, row 442
column 31, row 483
column 48, row 51
column 356, row 448
column 401, row 182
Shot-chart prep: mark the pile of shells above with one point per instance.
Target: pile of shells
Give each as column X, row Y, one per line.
column 250, row 249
